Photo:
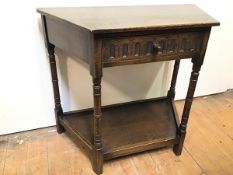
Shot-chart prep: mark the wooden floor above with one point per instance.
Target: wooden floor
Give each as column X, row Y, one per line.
column 208, row 148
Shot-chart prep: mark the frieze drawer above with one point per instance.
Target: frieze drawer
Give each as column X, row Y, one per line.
column 139, row 49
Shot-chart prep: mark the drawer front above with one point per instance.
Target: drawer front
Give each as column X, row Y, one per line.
column 139, row 49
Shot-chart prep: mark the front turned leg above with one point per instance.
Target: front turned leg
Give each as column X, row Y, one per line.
column 97, row 162
column 187, row 107
column 57, row 109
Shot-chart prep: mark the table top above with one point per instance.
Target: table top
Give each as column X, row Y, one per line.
column 128, row 18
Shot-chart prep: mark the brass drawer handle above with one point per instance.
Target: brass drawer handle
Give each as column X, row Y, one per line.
column 156, row 48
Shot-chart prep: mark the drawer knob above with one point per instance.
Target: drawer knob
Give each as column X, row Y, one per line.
column 156, row 48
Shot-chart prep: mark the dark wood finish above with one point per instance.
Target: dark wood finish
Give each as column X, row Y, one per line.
column 114, row 36
column 77, row 138
column 98, row 154
column 171, row 93
column 96, row 72
column 197, row 63
column 58, row 108
column 122, row 122
column 175, row 113
column 65, row 36
column 142, row 49
column 132, row 18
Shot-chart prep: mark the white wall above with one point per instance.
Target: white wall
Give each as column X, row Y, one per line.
column 26, row 100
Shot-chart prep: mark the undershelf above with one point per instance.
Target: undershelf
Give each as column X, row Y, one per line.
column 129, row 127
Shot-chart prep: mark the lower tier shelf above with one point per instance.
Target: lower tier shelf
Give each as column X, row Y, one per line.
column 127, row 128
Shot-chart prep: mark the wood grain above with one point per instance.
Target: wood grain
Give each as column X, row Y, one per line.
column 16, row 156
column 121, row 122
column 96, row 36
column 128, row 18
column 168, row 163
column 144, row 164
column 3, row 149
column 36, row 162
column 58, row 33
column 208, row 149
column 224, row 106
column 174, row 45
column 214, row 154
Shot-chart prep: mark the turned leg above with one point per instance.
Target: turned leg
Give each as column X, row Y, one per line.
column 171, row 92
column 98, row 153
column 197, row 61
column 187, row 107
column 58, row 109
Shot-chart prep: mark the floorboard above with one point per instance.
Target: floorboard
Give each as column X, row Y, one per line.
column 3, row 149
column 207, row 140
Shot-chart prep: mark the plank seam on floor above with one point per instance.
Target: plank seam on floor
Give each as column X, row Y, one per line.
column 138, row 172
column 131, row 160
column 152, row 159
column 202, row 169
column 47, row 151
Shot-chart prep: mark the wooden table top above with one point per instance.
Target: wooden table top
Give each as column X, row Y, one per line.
column 128, row 18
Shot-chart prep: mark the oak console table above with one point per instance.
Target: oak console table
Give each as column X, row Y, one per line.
column 113, row 36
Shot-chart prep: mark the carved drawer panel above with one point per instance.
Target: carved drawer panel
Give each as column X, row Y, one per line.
column 140, row 49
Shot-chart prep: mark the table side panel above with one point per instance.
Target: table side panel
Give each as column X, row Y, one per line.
column 70, row 38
